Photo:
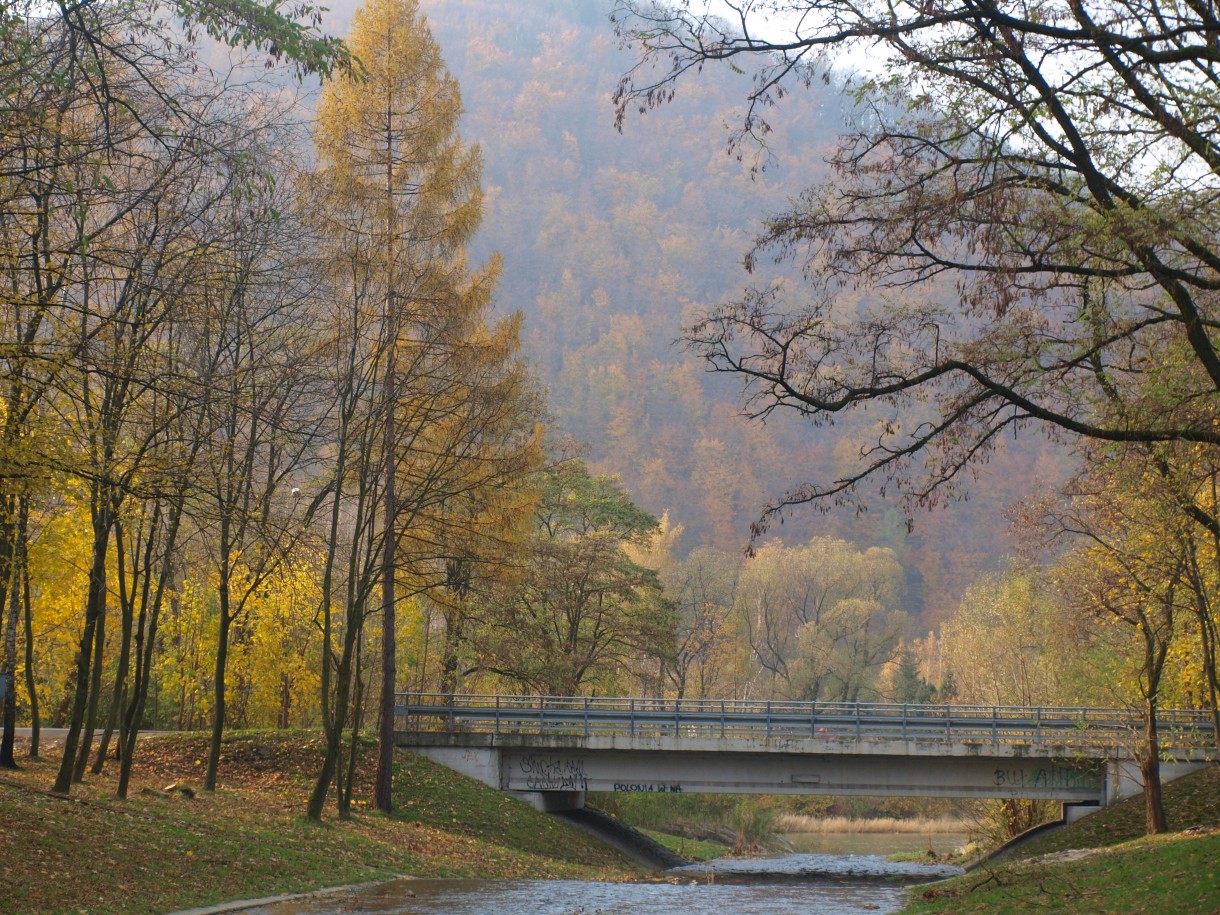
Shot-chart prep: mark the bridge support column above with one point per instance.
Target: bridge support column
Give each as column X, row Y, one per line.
column 486, row 764
column 1123, row 778
column 1074, row 812
column 483, row 764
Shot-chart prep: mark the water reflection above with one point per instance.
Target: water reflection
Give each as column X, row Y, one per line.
column 828, row 884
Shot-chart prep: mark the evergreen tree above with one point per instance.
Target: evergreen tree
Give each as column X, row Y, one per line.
column 909, row 687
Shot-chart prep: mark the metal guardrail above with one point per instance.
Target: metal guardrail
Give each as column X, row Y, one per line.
column 1085, row 730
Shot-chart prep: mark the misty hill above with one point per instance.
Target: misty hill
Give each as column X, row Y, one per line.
column 611, row 243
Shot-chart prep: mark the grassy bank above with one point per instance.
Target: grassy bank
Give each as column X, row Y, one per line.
column 694, row 849
column 875, row 825
column 1104, row 864
column 158, row 851
column 757, row 821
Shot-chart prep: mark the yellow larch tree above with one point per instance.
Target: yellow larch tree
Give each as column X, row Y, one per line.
column 420, row 409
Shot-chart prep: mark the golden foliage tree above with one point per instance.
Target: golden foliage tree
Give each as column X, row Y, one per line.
column 430, row 386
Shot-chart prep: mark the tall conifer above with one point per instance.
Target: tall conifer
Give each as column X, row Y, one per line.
column 400, row 198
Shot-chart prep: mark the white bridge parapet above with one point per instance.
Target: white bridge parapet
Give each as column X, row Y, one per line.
column 555, row 749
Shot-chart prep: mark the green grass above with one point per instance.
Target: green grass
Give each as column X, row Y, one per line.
column 1157, row 875
column 1190, row 801
column 695, row 849
column 1103, row 863
column 153, row 853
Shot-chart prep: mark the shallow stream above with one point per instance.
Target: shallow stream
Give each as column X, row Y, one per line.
column 799, row 883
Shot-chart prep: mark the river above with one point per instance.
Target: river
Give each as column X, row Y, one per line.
column 791, row 884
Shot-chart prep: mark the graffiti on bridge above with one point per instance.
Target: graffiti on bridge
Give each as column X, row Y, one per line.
column 1048, row 778
column 551, row 773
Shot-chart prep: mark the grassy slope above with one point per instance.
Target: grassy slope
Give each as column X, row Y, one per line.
column 92, row 853
column 694, row 849
column 1104, row 864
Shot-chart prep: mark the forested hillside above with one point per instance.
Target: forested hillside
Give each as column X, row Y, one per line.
column 613, row 242
column 288, row 426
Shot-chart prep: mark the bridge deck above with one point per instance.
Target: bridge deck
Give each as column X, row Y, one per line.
column 1091, row 732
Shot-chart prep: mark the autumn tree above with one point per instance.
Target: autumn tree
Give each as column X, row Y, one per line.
column 701, row 587
column 466, row 538
column 1009, row 643
column 84, row 86
column 291, row 36
column 1026, row 198
column 583, row 612
column 1129, row 570
column 1027, row 205
column 820, row 619
column 908, row 686
column 430, row 383
column 258, row 414
column 44, row 138
column 843, row 654
column 151, row 232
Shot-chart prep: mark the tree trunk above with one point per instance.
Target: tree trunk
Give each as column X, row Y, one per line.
column 1150, row 770
column 95, row 609
column 145, row 644
column 30, row 684
column 449, row 655
column 10, row 598
column 126, row 615
column 95, row 680
column 112, row 720
column 384, row 788
column 9, row 672
column 348, row 778
column 95, row 691
column 334, row 702
column 321, row 787
column 334, row 721
column 218, row 705
column 1207, row 636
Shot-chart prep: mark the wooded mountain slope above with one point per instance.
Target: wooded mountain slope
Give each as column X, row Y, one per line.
column 613, row 242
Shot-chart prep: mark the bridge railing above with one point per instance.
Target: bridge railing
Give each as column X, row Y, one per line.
column 1071, row 729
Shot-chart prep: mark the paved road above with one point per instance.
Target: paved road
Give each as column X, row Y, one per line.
column 47, row 737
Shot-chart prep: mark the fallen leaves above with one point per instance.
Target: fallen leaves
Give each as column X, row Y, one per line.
column 154, row 853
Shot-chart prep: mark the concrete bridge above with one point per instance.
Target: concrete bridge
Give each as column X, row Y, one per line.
column 551, row 750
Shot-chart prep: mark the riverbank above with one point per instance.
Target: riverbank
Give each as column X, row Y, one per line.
column 164, row 850
column 1102, row 863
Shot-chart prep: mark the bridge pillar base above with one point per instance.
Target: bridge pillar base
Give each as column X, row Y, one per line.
column 1074, row 812
column 480, row 763
column 1124, row 779
column 551, row 801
